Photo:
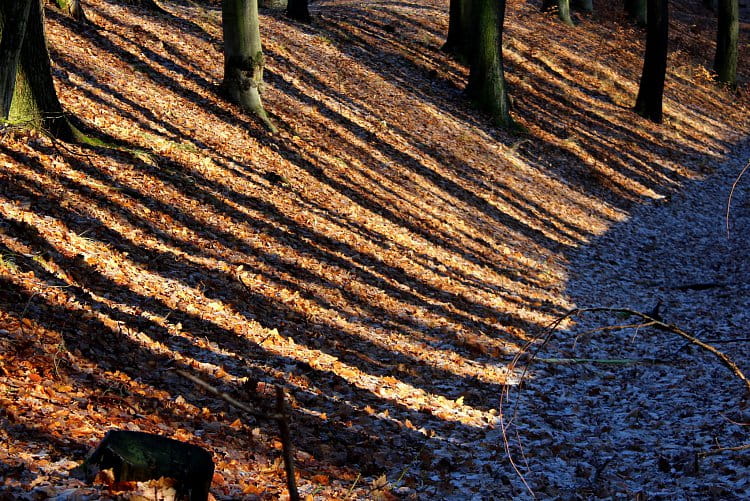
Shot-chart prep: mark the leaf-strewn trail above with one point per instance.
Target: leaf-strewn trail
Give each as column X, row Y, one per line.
column 383, row 257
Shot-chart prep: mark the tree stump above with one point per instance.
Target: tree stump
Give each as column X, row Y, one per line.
column 137, row 456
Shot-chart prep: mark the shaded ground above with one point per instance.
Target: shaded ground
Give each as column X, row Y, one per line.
column 382, row 257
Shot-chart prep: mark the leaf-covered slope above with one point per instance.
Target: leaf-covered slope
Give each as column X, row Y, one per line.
column 382, row 257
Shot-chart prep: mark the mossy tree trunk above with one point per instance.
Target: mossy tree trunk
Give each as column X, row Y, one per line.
column 651, row 91
column 13, row 17
column 638, row 11
column 34, row 101
column 563, row 9
column 486, row 77
column 243, row 57
column 298, row 10
column 459, row 30
column 74, row 8
column 727, row 36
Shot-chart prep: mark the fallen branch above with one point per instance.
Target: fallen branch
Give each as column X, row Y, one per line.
column 530, row 350
column 605, row 361
column 731, row 194
column 719, row 450
column 650, row 322
column 226, row 397
column 281, row 417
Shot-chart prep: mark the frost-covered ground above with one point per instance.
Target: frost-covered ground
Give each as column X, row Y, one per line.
column 603, row 430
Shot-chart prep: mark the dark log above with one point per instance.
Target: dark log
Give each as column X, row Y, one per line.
column 137, row 456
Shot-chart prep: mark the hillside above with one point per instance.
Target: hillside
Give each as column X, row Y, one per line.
column 383, row 257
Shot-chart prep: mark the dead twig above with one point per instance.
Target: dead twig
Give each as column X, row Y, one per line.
column 731, row 193
column 530, row 350
column 228, row 398
column 281, row 417
column 719, row 450
column 286, row 445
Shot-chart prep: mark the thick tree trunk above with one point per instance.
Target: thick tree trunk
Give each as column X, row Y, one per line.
column 651, row 91
column 297, row 10
column 563, row 9
column 638, row 10
column 727, row 36
column 243, row 57
column 34, row 102
column 486, row 79
column 13, row 17
column 459, row 30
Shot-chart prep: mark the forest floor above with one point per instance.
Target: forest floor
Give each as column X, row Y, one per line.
column 384, row 258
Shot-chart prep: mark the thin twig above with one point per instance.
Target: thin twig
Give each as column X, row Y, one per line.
column 226, row 397
column 528, row 353
column 719, row 450
column 286, row 445
column 731, row 193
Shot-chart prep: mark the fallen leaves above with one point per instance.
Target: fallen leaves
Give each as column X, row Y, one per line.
column 382, row 258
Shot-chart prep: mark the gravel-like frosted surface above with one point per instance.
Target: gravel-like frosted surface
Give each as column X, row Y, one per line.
column 603, row 430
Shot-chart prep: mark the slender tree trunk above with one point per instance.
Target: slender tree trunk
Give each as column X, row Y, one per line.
column 584, row 5
column 727, row 36
column 486, row 79
column 459, row 31
column 74, row 8
column 651, row 91
column 243, row 57
column 13, row 17
column 563, row 9
column 638, row 10
column 297, row 10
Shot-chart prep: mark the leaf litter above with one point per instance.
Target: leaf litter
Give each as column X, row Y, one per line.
column 383, row 257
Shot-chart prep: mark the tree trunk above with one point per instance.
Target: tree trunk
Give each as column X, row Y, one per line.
column 486, row 79
column 297, row 10
column 651, row 91
column 243, row 57
column 459, row 29
column 13, row 17
column 273, row 4
column 74, row 8
column 563, row 10
column 711, row 4
column 727, row 35
column 34, row 102
column 584, row 5
column 638, row 10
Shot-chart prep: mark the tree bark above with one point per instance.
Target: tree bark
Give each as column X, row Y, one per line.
column 584, row 5
column 297, row 10
column 74, row 8
column 486, row 78
column 711, row 4
column 243, row 57
column 14, row 15
column 34, row 102
column 727, row 36
column 563, row 10
column 650, row 94
column 638, row 11
column 459, row 31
